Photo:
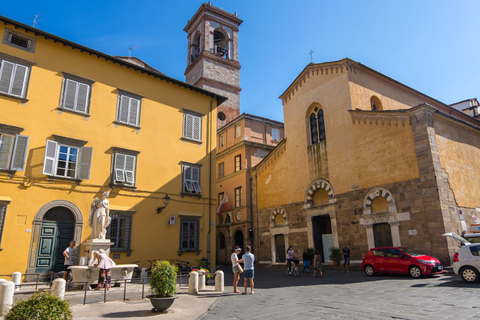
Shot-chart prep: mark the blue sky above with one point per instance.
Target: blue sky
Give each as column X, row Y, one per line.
column 429, row 45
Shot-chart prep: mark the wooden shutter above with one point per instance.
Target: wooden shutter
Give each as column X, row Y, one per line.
column 50, row 157
column 196, row 179
column 123, row 109
column 82, row 97
column 19, row 81
column 130, row 169
column 69, row 94
column 187, row 178
column 197, row 128
column 133, row 114
column 6, row 76
column 188, row 126
column 119, row 167
column 19, row 153
column 85, row 163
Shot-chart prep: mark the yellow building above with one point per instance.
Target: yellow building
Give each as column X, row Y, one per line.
column 367, row 162
column 75, row 122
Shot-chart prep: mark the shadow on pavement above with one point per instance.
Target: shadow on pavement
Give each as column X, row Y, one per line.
column 131, row 314
column 276, row 278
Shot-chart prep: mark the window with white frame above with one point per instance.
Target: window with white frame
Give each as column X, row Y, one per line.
column 128, row 109
column 13, row 151
column 66, row 160
column 76, row 94
column 238, row 163
column 238, row 197
column 13, row 78
column 222, row 140
column 238, row 131
column 120, row 230
column 192, row 126
column 221, row 172
column 191, row 179
column 124, row 167
column 275, row 134
column 189, row 234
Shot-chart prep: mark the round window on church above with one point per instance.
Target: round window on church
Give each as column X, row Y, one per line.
column 221, row 116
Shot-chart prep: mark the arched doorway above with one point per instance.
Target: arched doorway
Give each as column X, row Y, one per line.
column 55, row 235
column 238, row 238
column 57, row 216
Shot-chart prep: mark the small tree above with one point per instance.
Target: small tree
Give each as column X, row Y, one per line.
column 163, row 282
column 41, row 306
column 335, row 254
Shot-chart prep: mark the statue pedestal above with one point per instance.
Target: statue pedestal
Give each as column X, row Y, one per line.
column 90, row 246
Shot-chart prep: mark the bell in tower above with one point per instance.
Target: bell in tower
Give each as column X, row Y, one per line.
column 213, row 57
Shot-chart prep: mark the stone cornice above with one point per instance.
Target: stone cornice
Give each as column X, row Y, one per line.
column 384, row 117
column 320, row 69
column 207, row 55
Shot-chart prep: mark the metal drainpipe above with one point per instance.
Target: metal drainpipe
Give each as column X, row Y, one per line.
column 209, row 142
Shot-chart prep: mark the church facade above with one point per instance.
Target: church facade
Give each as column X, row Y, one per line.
column 366, row 162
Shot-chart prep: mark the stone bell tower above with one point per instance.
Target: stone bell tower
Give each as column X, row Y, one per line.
column 213, row 57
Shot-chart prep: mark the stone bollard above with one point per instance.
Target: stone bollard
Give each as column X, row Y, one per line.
column 193, row 283
column 58, row 288
column 201, row 280
column 7, row 289
column 17, row 278
column 219, row 285
column 144, row 275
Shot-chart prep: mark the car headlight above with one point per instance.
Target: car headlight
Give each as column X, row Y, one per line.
column 426, row 261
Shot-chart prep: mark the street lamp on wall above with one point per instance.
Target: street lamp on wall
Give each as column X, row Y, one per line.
column 166, row 201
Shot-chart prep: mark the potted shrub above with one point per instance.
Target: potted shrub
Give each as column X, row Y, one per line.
column 335, row 255
column 163, row 286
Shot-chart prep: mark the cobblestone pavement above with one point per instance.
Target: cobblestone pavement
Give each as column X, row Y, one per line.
column 348, row 296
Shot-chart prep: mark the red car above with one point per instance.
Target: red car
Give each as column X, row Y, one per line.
column 400, row 260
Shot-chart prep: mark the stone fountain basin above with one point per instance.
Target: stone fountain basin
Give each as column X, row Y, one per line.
column 89, row 274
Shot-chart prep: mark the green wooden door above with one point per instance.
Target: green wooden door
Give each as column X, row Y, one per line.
column 54, row 239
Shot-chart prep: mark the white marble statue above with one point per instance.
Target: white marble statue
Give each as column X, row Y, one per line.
column 100, row 217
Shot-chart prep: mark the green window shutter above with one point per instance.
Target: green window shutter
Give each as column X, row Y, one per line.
column 196, row 179
column 6, row 76
column 50, row 157
column 20, row 153
column 85, row 163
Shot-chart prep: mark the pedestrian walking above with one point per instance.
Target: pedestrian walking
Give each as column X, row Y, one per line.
column 290, row 257
column 306, row 261
column 68, row 254
column 317, row 264
column 346, row 258
column 249, row 272
column 104, row 264
column 236, row 267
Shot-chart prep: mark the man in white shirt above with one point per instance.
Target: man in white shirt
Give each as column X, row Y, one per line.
column 68, row 254
column 248, row 273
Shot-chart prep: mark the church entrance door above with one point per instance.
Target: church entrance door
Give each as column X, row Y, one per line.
column 55, row 235
column 322, row 235
column 280, row 252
